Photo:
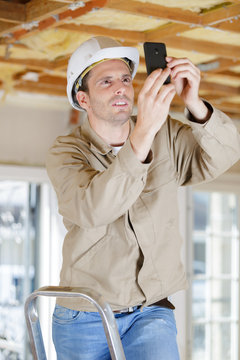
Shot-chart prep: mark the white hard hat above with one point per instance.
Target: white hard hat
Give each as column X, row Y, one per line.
column 90, row 52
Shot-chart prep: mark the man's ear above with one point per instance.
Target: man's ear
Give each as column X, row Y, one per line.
column 83, row 99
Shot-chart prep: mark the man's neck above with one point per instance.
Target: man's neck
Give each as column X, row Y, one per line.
column 112, row 134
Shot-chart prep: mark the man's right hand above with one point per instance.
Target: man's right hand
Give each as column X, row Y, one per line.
column 153, row 107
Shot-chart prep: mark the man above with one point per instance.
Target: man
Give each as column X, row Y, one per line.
column 116, row 178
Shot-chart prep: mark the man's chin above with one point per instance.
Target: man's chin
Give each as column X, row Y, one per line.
column 123, row 114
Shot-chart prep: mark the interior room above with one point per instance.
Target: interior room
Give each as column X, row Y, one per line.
column 37, row 38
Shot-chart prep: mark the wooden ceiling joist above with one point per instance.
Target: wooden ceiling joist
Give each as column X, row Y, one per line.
column 20, row 19
column 130, row 36
column 12, row 12
column 154, row 10
column 218, row 65
column 202, row 46
column 37, row 10
column 220, row 14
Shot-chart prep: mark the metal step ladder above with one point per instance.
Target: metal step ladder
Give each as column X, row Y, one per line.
column 107, row 316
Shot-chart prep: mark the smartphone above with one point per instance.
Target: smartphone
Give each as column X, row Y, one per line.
column 155, row 54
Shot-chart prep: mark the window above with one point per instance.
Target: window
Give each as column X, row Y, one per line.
column 31, row 234
column 215, row 275
column 18, row 218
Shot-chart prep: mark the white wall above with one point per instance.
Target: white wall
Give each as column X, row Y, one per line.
column 28, row 128
column 29, row 124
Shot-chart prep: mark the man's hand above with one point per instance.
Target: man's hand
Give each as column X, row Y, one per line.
column 153, row 106
column 186, row 78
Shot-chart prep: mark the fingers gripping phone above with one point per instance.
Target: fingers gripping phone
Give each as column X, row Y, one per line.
column 155, row 54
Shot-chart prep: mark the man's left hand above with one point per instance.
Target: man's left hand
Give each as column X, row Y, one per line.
column 186, row 77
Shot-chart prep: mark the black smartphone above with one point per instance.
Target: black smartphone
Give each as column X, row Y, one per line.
column 155, row 54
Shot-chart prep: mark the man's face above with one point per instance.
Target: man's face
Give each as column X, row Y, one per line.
column 111, row 95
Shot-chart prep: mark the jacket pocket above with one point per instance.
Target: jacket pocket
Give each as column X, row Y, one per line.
column 158, row 175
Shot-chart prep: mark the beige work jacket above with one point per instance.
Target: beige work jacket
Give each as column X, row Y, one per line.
column 121, row 215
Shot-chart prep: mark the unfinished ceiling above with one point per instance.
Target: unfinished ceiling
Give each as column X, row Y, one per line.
column 38, row 36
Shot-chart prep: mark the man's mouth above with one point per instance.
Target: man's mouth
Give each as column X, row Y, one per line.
column 120, row 103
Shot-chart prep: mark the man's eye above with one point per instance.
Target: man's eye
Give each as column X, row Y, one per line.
column 106, row 82
column 127, row 80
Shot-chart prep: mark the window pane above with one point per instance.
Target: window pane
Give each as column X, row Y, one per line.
column 222, row 248
column 215, row 274
column 221, row 298
column 199, row 299
column 201, row 201
column 16, row 265
column 221, row 341
column 199, row 343
column 199, row 264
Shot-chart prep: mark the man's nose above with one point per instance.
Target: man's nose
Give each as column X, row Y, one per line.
column 120, row 88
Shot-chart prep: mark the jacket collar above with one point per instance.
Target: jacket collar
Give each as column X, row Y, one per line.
column 95, row 142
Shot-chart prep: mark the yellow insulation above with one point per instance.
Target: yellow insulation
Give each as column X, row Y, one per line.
column 119, row 20
column 7, row 72
column 193, row 5
column 55, row 42
column 214, row 35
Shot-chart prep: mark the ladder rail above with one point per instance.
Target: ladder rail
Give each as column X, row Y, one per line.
column 104, row 309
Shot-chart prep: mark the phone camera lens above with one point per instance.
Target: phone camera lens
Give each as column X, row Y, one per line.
column 156, row 51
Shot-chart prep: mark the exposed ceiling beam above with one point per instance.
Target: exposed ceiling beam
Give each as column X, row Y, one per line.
column 232, row 25
column 202, row 46
column 31, row 64
column 12, row 12
column 54, row 14
column 227, row 106
column 167, row 30
column 63, row 1
column 35, row 87
column 209, row 17
column 6, row 27
column 218, row 65
column 212, row 88
column 37, row 10
column 158, row 11
column 220, row 14
column 219, row 88
column 131, row 36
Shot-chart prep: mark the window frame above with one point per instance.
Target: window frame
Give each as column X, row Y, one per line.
column 226, row 183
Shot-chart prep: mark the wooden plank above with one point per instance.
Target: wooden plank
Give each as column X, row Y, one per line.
column 166, row 30
column 60, row 64
column 6, row 27
column 52, row 80
column 219, row 88
column 228, row 106
column 214, row 16
column 40, row 9
column 220, row 14
column 131, row 36
column 230, row 74
column 202, row 46
column 212, row 88
column 218, row 65
column 12, row 12
column 63, row 1
column 158, row 11
column 30, row 63
column 233, row 25
column 49, row 22
column 35, row 87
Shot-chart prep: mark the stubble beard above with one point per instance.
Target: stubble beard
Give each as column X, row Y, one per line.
column 105, row 114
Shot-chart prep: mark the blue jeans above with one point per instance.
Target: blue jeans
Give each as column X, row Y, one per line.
column 149, row 334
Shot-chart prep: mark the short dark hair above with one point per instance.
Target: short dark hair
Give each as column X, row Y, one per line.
column 82, row 87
